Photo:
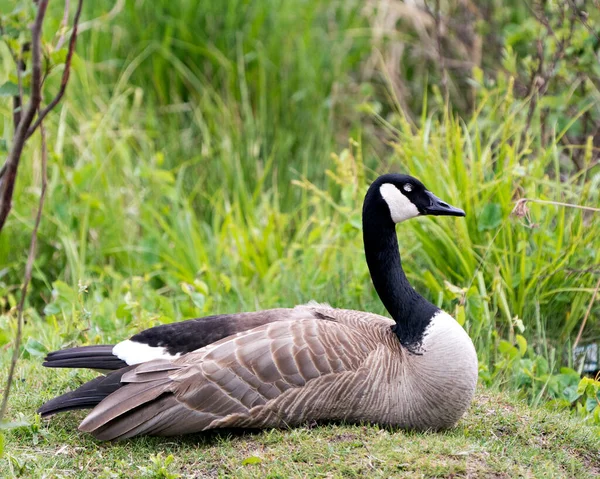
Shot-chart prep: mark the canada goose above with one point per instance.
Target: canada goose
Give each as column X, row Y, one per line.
column 283, row 367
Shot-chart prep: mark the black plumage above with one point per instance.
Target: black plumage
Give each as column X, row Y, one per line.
column 281, row 367
column 176, row 338
column 92, row 357
column 86, row 396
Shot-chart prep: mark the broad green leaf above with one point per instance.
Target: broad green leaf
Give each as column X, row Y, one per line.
column 58, row 57
column 460, row 315
column 591, row 404
column 519, row 324
column 583, row 384
column 522, row 343
column 251, row 460
column 225, row 282
column 9, row 89
column 571, row 394
column 198, row 299
column 51, row 308
column 5, row 425
column 124, row 312
column 35, row 348
column 569, row 372
column 508, row 350
column 490, row 217
column 4, row 337
column 63, row 291
column 201, row 287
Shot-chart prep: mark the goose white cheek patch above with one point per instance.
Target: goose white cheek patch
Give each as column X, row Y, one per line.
column 401, row 208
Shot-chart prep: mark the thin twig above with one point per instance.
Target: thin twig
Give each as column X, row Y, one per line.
column 63, row 25
column 540, row 79
column 20, row 64
column 437, row 19
column 535, row 85
column 582, row 17
column 104, row 18
column 18, row 99
column 482, row 260
column 28, row 273
column 438, row 38
column 541, row 19
column 23, row 131
column 20, row 136
column 520, row 208
column 587, row 314
column 66, row 73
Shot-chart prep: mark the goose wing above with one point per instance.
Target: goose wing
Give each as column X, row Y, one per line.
column 280, row 373
column 170, row 341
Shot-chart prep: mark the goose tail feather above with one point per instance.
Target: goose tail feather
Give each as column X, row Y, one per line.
column 92, row 357
column 85, row 397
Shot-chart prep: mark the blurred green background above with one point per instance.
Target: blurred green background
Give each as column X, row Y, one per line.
column 212, row 157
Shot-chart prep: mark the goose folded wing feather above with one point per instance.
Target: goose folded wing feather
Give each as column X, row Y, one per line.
column 259, row 379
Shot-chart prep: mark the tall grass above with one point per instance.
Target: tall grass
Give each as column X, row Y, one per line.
column 192, row 173
column 215, row 103
column 538, row 266
column 233, row 83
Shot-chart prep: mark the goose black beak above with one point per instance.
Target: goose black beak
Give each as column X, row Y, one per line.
column 437, row 207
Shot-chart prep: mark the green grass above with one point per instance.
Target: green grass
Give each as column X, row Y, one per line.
column 512, row 269
column 500, row 437
column 205, row 166
column 197, row 153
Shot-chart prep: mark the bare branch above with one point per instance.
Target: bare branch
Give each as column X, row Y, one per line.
column 28, row 273
column 20, row 137
column 520, row 208
column 20, row 65
column 582, row 17
column 8, row 172
column 541, row 18
column 540, row 79
column 66, row 73
column 104, row 18
column 63, row 25
column 587, row 314
column 438, row 37
column 437, row 18
column 18, row 99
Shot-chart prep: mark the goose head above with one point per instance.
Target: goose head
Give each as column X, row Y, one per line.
column 406, row 197
column 391, row 199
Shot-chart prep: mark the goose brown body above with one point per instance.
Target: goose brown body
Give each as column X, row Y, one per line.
column 333, row 365
column 283, row 367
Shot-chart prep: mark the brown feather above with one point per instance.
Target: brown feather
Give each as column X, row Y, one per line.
column 349, row 367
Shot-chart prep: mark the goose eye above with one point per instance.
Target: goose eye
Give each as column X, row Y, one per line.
column 407, row 187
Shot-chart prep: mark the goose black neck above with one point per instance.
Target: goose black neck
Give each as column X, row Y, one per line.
column 411, row 311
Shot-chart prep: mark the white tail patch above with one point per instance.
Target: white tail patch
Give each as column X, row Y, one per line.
column 135, row 353
column 401, row 208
